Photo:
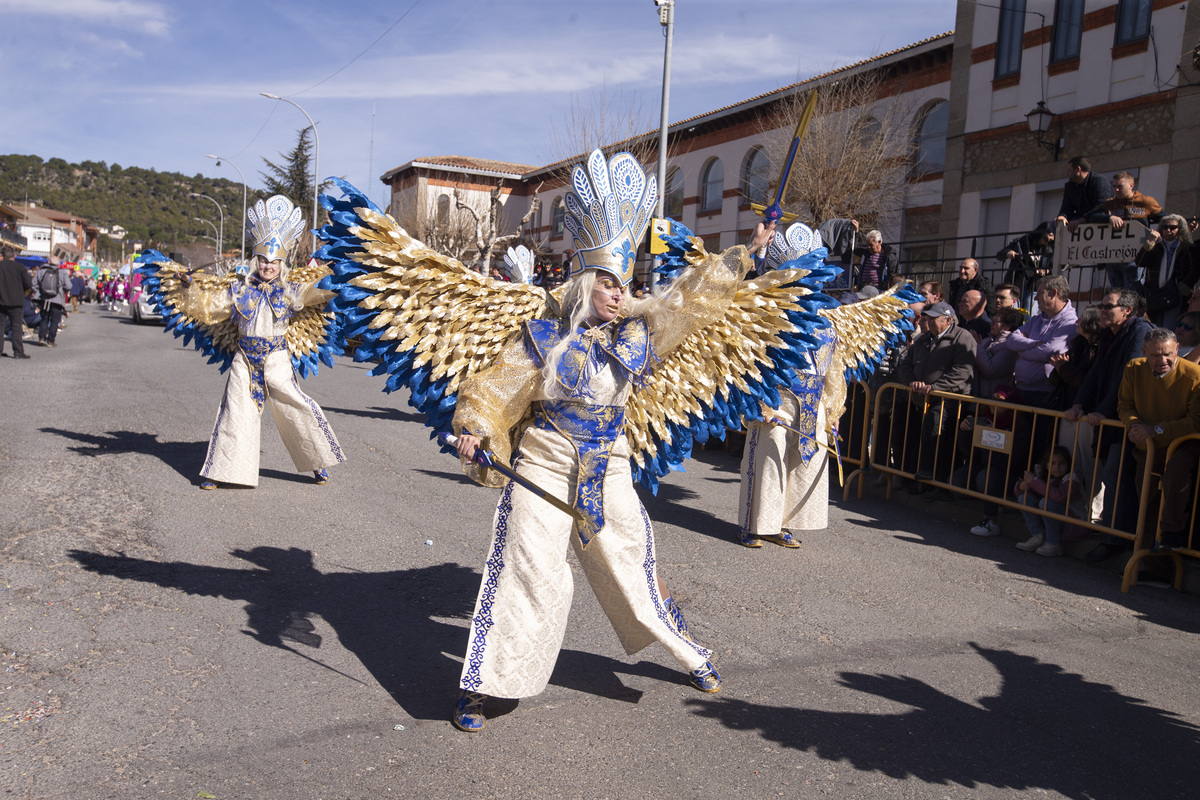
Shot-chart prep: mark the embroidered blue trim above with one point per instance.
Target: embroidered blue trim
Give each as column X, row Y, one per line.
column 626, row 343
column 752, row 444
column 482, row 622
column 660, row 608
column 212, row 441
column 322, row 422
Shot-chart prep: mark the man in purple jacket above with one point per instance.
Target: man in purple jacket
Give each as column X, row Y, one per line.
column 1045, row 334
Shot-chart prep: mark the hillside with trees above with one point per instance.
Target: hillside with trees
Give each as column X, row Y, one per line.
column 154, row 207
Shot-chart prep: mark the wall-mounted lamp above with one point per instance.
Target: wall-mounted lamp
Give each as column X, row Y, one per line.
column 1039, row 123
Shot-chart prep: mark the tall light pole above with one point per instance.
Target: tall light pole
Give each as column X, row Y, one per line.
column 221, row 232
column 216, row 241
column 243, row 177
column 316, row 160
column 666, row 18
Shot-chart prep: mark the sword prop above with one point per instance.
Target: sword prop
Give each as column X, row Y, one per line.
column 485, row 458
column 775, row 210
column 837, row 455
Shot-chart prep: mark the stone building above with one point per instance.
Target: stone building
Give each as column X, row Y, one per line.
column 1114, row 79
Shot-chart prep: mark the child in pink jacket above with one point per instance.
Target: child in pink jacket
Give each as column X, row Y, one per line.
column 1060, row 492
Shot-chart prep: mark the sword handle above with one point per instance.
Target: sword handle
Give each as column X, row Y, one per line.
column 482, row 457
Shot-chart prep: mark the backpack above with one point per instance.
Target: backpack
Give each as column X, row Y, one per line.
column 48, row 283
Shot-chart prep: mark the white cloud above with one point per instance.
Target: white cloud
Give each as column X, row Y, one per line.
column 150, row 18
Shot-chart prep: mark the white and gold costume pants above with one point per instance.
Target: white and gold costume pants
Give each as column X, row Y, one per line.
column 233, row 450
column 779, row 491
column 521, row 613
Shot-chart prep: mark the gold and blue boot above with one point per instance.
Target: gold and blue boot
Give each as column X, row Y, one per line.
column 468, row 712
column 705, row 678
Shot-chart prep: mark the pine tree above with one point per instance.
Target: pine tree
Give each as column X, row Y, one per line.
column 292, row 177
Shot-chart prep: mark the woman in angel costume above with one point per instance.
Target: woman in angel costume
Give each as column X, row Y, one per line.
column 266, row 325
column 785, row 464
column 583, row 391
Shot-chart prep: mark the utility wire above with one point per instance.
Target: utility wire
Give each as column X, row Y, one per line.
column 364, row 51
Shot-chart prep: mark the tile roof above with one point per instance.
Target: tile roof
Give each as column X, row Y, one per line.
column 466, row 163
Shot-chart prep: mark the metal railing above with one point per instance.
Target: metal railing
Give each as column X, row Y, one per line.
column 980, row 448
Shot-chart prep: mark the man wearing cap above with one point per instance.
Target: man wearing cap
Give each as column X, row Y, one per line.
column 941, row 359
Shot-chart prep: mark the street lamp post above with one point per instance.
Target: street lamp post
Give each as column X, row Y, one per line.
column 316, row 160
column 243, row 177
column 216, row 241
column 221, row 232
column 666, row 18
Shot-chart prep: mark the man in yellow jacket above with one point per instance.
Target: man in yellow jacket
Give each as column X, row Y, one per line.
column 1160, row 400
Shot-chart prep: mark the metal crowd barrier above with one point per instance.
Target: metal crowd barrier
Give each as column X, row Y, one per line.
column 1149, row 534
column 854, row 434
column 1001, row 443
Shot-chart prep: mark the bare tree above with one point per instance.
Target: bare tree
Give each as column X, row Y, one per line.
column 855, row 159
column 443, row 229
column 487, row 223
column 613, row 122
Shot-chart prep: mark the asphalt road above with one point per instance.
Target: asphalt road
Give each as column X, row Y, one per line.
column 296, row 641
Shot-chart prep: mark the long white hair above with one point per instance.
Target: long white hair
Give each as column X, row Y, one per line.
column 577, row 304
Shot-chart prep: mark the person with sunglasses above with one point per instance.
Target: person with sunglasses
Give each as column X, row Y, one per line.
column 1187, row 332
column 1166, row 268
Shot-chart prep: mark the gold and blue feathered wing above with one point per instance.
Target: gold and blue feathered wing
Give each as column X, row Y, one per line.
column 428, row 321
column 726, row 370
column 198, row 311
column 865, row 330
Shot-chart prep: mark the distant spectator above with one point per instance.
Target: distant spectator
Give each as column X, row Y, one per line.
column 1125, row 204
column 1029, row 259
column 994, row 363
column 940, row 359
column 969, row 277
column 933, row 292
column 1083, row 192
column 1071, row 367
column 1187, row 331
column 1053, row 487
column 78, row 287
column 972, row 314
column 1007, row 295
column 1043, row 336
column 1035, row 343
column 877, row 261
column 1096, row 400
column 1166, row 267
column 1160, row 401
column 15, row 286
column 51, row 283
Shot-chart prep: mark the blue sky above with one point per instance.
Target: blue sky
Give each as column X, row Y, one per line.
column 160, row 83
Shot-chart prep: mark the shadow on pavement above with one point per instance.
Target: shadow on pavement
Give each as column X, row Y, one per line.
column 186, row 458
column 388, row 620
column 1047, row 729
column 379, row 412
column 673, row 506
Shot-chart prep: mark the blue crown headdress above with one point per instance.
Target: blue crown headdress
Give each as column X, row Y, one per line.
column 800, row 247
column 608, row 210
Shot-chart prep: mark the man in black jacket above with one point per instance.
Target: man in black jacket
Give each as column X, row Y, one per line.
column 1083, row 192
column 1121, row 340
column 15, row 284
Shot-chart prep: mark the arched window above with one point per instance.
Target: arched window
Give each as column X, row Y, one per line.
column 443, row 209
column 712, row 186
column 929, row 147
column 673, row 207
column 868, row 131
column 558, row 214
column 755, row 178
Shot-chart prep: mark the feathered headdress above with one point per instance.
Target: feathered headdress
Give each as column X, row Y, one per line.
column 276, row 224
column 609, row 207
